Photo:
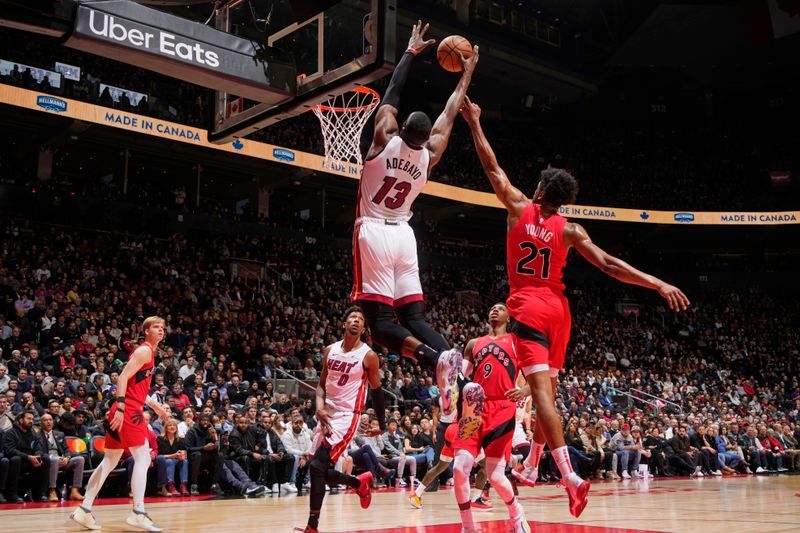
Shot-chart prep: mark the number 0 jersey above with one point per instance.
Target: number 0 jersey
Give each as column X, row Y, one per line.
column 535, row 251
column 346, row 384
column 392, row 180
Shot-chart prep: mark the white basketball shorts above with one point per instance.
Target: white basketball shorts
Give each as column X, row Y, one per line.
column 385, row 263
column 343, row 428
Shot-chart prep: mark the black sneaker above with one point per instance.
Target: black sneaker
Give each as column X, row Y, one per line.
column 193, row 491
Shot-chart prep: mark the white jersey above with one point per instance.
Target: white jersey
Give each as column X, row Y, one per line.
column 520, row 436
column 392, row 180
column 346, row 384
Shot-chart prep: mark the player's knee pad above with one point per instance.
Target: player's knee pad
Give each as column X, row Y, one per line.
column 495, row 470
column 462, row 464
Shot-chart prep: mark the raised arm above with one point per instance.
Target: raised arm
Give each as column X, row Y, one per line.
column 440, row 134
column 386, row 125
column 511, row 197
column 575, row 235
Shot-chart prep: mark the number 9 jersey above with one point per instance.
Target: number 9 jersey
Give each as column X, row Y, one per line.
column 386, row 267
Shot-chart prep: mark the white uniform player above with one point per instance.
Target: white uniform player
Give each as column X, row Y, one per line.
column 345, row 396
column 385, row 249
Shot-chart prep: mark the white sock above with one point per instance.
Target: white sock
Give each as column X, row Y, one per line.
column 561, row 456
column 419, row 490
column 514, row 509
column 532, row 461
column 107, row 465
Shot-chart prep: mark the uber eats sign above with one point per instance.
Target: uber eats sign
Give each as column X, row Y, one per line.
column 158, row 41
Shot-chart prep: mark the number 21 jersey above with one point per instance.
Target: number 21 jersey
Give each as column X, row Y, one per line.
column 392, row 180
column 535, row 252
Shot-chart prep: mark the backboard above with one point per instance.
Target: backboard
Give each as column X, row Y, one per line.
column 350, row 44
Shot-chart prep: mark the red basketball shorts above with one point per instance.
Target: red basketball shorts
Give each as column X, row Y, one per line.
column 496, row 431
column 541, row 321
column 450, row 435
column 133, row 431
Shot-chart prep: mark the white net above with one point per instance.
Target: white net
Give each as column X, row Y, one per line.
column 342, row 120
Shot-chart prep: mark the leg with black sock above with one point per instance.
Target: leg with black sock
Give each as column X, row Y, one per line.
column 380, row 318
column 322, row 473
column 412, row 317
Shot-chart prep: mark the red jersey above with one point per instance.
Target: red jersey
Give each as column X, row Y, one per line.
column 139, row 383
column 535, row 251
column 495, row 362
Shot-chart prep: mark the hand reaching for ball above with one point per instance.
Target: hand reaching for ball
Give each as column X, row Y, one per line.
column 417, row 41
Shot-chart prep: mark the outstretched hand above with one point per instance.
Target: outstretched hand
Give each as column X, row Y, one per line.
column 470, row 111
column 469, row 64
column 417, row 41
column 674, row 296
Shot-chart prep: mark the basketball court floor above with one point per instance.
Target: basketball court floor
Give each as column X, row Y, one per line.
column 741, row 504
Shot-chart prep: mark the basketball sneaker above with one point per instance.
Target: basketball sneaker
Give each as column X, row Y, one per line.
column 447, row 368
column 526, row 475
column 307, row 529
column 471, row 410
column 520, row 525
column 480, row 504
column 364, row 489
column 85, row 518
column 142, row 521
column 415, row 501
column 577, row 497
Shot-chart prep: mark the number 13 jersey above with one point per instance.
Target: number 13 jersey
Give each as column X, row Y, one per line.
column 392, row 180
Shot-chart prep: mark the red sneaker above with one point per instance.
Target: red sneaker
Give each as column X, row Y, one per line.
column 364, row 489
column 577, row 497
column 526, row 476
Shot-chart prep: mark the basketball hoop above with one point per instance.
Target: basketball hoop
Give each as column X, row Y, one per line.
column 342, row 119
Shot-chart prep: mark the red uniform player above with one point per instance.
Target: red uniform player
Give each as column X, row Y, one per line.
column 127, row 429
column 487, row 418
column 537, row 245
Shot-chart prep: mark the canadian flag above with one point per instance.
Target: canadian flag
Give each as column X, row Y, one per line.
column 234, row 106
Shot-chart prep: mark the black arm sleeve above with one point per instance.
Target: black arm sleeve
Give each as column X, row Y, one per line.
column 398, row 81
column 379, row 404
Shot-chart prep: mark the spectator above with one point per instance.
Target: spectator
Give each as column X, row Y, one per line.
column 61, row 459
column 246, row 448
column 279, row 464
column 297, row 443
column 26, row 455
column 684, row 459
column 202, row 444
column 172, row 457
column 625, row 451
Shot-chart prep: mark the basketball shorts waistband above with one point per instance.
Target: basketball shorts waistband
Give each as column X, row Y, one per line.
column 384, row 221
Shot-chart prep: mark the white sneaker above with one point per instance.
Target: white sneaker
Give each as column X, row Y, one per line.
column 276, row 489
column 473, row 398
column 527, row 476
column 637, row 474
column 142, row 521
column 84, row 519
column 782, row 469
column 520, row 525
column 625, row 474
column 402, row 483
column 716, row 473
column 289, row 487
column 447, row 368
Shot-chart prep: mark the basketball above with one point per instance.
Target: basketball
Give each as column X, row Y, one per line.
column 448, row 50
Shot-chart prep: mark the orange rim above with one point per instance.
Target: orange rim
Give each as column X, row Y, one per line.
column 376, row 99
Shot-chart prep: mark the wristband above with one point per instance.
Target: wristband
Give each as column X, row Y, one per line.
column 121, row 407
column 412, row 50
column 120, row 399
